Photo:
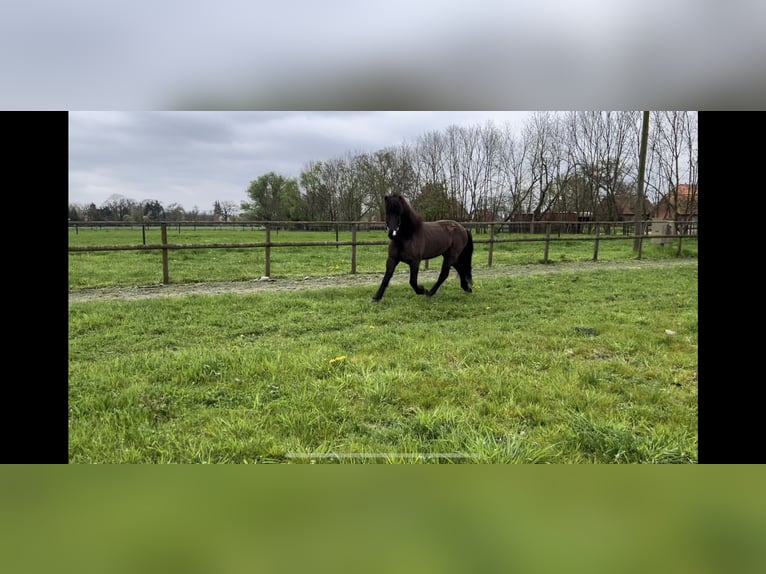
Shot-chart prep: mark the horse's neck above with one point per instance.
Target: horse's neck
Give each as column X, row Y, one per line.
column 414, row 220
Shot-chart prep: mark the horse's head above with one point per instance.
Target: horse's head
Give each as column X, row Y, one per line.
column 395, row 206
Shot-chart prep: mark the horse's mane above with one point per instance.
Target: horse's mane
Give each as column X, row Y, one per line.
column 411, row 220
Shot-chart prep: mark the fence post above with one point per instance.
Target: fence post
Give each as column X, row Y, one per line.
column 164, row 236
column 353, row 248
column 268, row 249
column 491, row 243
column 680, row 240
column 547, row 241
column 595, row 248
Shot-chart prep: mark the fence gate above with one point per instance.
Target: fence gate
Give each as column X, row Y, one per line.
column 661, row 227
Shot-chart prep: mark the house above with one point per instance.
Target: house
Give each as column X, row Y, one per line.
column 679, row 204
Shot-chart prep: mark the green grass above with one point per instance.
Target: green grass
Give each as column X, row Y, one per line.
column 572, row 367
column 135, row 268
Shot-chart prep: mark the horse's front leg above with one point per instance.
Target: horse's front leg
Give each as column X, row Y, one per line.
column 419, row 289
column 391, row 264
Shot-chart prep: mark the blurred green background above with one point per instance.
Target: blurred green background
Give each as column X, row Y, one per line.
column 590, row 519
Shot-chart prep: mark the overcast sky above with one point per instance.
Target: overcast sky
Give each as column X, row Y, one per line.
column 340, row 54
column 195, row 158
column 398, row 54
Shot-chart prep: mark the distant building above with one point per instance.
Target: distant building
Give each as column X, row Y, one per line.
column 679, row 204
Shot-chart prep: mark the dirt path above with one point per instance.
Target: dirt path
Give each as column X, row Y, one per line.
column 371, row 279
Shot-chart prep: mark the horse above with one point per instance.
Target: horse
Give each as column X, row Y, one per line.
column 414, row 240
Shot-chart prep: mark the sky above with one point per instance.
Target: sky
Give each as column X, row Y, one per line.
column 194, row 158
column 237, row 55
column 343, row 54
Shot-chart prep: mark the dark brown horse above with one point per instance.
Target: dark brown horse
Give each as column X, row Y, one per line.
column 413, row 240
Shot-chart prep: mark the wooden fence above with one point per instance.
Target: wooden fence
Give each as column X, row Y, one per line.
column 550, row 235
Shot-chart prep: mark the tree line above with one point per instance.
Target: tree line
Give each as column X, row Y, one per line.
column 583, row 161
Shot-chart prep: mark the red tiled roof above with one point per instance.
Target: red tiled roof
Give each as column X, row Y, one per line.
column 686, row 190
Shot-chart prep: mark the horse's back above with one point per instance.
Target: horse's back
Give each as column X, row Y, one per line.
column 443, row 236
column 449, row 224
column 455, row 229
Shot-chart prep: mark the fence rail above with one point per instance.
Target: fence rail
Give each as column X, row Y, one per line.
column 551, row 229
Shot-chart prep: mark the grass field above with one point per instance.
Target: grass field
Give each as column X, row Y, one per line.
column 135, row 268
column 595, row 366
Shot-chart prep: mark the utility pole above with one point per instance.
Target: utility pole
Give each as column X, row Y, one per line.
column 639, row 216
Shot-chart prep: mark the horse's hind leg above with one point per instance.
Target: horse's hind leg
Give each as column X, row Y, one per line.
column 463, row 264
column 465, row 277
column 442, row 276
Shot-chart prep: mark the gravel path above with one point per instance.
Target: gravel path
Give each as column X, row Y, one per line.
column 370, row 279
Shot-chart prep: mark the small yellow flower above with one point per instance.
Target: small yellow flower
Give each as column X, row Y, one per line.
column 488, row 307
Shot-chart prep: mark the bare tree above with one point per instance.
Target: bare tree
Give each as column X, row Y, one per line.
column 677, row 165
column 335, row 189
column 543, row 162
column 514, row 176
column 455, row 160
column 472, row 168
column 429, row 161
column 229, row 209
column 385, row 172
column 348, row 188
column 317, row 194
column 602, row 142
column 692, row 151
column 490, row 198
column 560, row 165
column 175, row 212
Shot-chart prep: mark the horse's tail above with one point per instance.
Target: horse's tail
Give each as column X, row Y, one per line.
column 464, row 259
